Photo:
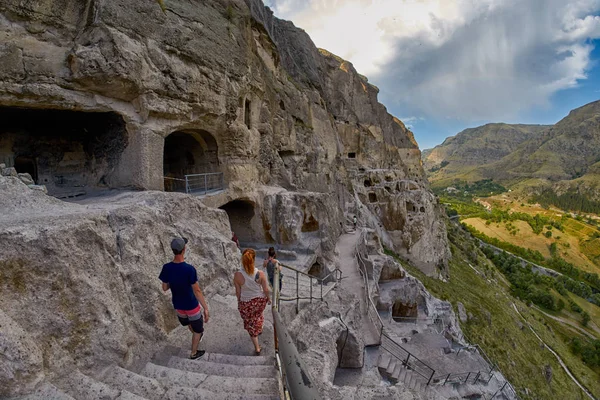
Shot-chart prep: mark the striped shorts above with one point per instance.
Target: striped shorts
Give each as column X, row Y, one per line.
column 192, row 318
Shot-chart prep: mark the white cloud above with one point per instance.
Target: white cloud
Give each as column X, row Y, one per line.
column 468, row 59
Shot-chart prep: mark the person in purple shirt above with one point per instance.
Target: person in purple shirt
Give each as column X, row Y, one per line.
column 188, row 300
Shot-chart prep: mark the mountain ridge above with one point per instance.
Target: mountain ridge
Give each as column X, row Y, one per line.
column 564, row 156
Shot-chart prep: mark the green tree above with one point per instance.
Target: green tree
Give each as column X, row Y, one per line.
column 585, row 318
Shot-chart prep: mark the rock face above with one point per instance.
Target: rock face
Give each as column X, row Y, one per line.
column 211, row 87
column 98, row 95
column 79, row 283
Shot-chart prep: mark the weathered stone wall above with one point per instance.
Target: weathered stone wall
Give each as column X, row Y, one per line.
column 282, row 112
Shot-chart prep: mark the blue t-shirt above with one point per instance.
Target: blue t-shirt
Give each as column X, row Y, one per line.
column 180, row 277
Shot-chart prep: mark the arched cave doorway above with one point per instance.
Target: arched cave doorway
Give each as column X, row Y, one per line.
column 242, row 219
column 188, row 153
column 72, row 153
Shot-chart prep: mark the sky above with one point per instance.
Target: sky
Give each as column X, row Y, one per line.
column 446, row 65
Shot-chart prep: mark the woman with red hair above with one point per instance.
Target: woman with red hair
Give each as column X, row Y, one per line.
column 252, row 291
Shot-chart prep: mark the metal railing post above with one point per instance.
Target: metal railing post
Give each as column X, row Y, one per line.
column 476, row 377
column 448, row 377
column 430, row 378
column 407, row 358
column 467, row 378
column 205, row 184
column 321, row 291
column 297, row 293
column 311, row 289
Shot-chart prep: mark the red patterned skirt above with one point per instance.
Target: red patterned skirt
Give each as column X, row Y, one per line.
column 252, row 314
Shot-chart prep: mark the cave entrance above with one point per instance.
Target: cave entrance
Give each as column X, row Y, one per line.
column 405, row 311
column 241, row 218
column 26, row 165
column 191, row 152
column 72, row 153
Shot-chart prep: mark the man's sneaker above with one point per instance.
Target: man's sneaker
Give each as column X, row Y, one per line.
column 198, row 354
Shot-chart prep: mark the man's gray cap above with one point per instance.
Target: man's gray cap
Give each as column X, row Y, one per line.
column 178, row 244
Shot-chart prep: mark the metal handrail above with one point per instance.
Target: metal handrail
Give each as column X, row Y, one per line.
column 294, row 376
column 337, row 273
column 371, row 309
column 408, row 359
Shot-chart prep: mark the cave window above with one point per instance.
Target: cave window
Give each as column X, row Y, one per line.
column 247, row 113
column 422, row 209
column 410, row 207
column 372, row 197
column 351, row 155
column 389, row 189
column 368, row 183
column 282, row 105
column 26, row 165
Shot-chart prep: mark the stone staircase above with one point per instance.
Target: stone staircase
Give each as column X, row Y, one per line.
column 211, row 377
column 395, row 371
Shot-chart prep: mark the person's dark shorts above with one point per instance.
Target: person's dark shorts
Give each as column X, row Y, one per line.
column 192, row 318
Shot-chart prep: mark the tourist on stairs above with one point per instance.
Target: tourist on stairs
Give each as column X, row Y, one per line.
column 270, row 264
column 188, row 299
column 252, row 292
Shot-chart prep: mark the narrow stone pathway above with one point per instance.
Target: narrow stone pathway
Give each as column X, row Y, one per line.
column 352, row 281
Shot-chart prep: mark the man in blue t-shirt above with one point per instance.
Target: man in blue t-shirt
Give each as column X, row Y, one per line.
column 188, row 300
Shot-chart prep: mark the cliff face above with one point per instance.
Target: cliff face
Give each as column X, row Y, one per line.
column 211, row 86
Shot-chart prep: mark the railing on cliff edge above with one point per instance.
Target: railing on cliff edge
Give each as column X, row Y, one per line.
column 195, row 183
column 295, row 380
column 306, row 291
column 414, row 363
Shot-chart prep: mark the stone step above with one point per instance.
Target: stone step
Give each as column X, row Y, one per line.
column 140, row 385
column 213, row 368
column 384, row 361
column 402, row 375
column 230, row 358
column 395, row 377
column 173, row 378
column 391, row 367
column 184, row 393
column 82, row 387
column 46, row 391
column 228, row 384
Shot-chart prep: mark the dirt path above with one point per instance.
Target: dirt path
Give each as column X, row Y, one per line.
column 562, row 364
column 571, row 324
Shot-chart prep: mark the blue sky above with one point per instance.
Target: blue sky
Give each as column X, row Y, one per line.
column 446, row 65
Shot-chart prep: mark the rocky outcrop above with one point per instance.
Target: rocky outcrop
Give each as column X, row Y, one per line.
column 79, row 283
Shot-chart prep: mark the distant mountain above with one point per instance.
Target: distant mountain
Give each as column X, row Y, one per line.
column 565, row 156
column 463, row 156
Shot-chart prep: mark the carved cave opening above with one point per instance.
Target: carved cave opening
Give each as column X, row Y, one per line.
column 368, row 183
column 72, row 153
column 316, row 270
column 188, row 153
column 410, row 207
column 247, row 113
column 405, row 311
column 241, row 215
column 372, row 197
column 352, row 155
